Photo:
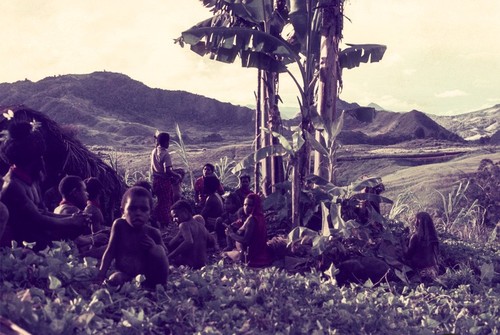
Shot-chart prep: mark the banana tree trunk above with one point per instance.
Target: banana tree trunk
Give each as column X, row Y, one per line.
column 329, row 78
column 265, row 139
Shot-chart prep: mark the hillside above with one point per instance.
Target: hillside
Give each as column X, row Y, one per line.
column 112, row 108
column 474, row 125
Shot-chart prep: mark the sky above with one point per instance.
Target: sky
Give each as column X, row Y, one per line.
column 443, row 57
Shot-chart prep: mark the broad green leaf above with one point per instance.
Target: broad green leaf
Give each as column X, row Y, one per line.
column 361, row 53
column 256, row 48
column 325, row 229
column 319, row 245
column 299, row 232
column 54, row 282
column 297, row 139
column 262, row 153
column 315, row 145
column 369, row 182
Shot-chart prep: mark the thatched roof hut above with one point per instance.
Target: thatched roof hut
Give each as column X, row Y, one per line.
column 65, row 155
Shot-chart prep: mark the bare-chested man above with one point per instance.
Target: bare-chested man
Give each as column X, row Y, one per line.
column 135, row 245
column 189, row 246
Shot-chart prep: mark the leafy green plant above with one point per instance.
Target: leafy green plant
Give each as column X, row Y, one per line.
column 51, row 293
column 223, row 170
column 182, row 152
column 131, row 177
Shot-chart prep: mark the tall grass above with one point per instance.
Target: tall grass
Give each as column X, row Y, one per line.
column 462, row 216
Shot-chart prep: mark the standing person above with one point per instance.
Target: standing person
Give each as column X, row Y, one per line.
column 199, row 193
column 423, row 247
column 253, row 233
column 29, row 219
column 136, row 246
column 162, row 174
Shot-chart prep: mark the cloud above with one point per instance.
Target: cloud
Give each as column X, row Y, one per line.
column 450, row 94
column 409, row 72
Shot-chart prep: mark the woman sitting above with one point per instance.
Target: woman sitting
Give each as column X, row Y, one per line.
column 423, row 248
column 252, row 235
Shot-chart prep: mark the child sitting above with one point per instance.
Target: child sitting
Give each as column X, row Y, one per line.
column 136, row 246
column 190, row 243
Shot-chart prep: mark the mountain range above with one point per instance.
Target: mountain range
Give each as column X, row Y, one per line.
column 106, row 108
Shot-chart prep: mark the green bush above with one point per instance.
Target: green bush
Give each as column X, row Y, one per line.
column 57, row 297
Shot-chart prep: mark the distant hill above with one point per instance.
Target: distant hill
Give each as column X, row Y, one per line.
column 365, row 125
column 474, row 125
column 108, row 107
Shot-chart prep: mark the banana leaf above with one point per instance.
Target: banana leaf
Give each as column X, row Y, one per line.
column 361, row 53
column 262, row 153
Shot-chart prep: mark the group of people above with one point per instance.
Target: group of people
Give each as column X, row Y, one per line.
column 134, row 241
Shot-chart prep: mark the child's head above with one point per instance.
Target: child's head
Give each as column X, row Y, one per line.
column 424, row 227
column 181, row 211
column 163, row 140
column 136, row 206
column 72, row 189
column 208, row 170
column 232, row 203
column 94, row 188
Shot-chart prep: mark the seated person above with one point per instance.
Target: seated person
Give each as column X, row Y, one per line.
column 93, row 208
column 177, row 185
column 199, row 194
column 229, row 216
column 252, row 235
column 423, row 248
column 244, row 188
column 74, row 200
column 214, row 206
column 189, row 245
column 29, row 219
column 136, row 247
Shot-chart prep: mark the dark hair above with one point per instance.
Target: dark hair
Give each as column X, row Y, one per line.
column 68, row 184
column 182, row 205
column 210, row 184
column 210, row 166
column 143, row 183
column 137, row 191
column 163, row 139
column 245, row 176
column 94, row 187
column 425, row 230
column 23, row 145
column 235, row 199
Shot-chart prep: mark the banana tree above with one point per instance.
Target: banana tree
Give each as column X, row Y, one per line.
column 233, row 31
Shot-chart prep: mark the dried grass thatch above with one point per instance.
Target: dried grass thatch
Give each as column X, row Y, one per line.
column 66, row 155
